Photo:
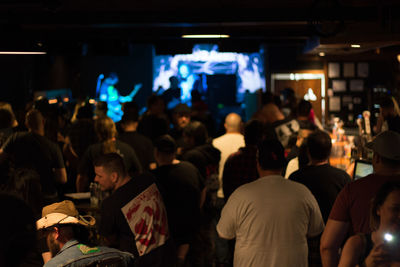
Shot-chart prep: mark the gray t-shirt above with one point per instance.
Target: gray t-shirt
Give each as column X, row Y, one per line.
column 271, row 219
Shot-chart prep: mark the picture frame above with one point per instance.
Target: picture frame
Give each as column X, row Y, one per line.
column 348, row 70
column 362, row 69
column 357, row 85
column 333, row 70
column 339, row 85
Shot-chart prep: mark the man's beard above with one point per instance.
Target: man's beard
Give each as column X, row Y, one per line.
column 53, row 245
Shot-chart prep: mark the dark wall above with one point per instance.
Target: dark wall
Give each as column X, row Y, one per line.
column 133, row 69
column 22, row 75
column 16, row 73
column 286, row 58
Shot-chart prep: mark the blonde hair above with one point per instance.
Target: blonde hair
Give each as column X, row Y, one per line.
column 106, row 132
column 7, row 106
column 396, row 106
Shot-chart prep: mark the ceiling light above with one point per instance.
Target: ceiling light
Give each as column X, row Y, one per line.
column 205, row 36
column 355, row 46
column 21, row 53
column 321, row 54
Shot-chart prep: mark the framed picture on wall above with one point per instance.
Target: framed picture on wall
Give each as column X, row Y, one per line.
column 356, row 85
column 339, row 85
column 334, row 104
column 357, row 100
column 362, row 69
column 348, row 70
column 333, row 70
column 347, row 99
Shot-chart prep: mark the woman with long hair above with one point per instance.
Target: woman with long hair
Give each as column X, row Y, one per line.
column 106, row 133
column 382, row 246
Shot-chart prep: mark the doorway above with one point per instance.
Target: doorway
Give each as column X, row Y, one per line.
column 308, row 86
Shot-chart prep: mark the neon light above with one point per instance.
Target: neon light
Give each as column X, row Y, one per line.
column 205, row 36
column 53, row 101
column 21, row 53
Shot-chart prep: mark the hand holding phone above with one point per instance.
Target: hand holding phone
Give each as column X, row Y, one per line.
column 391, row 244
column 378, row 256
column 388, row 237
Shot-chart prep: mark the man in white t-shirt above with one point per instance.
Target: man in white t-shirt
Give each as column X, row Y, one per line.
column 228, row 143
column 271, row 218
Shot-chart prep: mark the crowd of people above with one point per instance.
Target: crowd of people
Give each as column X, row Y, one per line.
column 175, row 193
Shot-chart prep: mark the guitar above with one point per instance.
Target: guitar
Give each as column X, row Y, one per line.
column 114, row 106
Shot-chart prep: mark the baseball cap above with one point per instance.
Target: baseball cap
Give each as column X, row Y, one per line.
column 386, row 144
column 63, row 212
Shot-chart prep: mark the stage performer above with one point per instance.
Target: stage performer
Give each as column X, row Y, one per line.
column 107, row 92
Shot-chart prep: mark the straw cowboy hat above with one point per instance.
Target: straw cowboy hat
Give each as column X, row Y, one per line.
column 63, row 213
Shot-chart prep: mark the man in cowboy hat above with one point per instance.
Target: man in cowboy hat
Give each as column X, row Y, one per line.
column 65, row 229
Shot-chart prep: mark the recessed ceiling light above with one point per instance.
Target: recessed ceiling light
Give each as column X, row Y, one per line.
column 321, row 54
column 355, row 46
column 21, row 53
column 205, row 36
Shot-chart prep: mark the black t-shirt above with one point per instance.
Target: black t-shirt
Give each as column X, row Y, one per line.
column 132, row 163
column 205, row 158
column 282, row 130
column 177, row 134
column 306, row 124
column 36, row 152
column 142, row 146
column 181, row 186
column 5, row 133
column 393, row 123
column 81, row 134
column 135, row 214
column 152, row 126
column 325, row 182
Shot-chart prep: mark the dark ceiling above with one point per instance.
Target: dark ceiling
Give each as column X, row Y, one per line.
column 109, row 26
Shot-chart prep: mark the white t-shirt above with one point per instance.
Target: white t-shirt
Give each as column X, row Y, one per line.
column 292, row 166
column 271, row 219
column 228, row 143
